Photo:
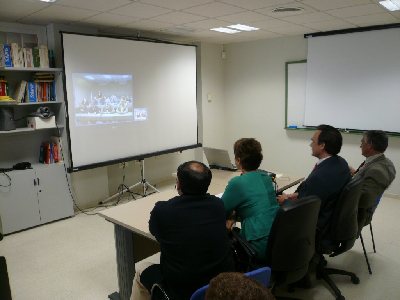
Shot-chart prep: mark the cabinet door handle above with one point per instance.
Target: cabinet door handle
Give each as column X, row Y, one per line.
column 38, row 181
column 34, row 182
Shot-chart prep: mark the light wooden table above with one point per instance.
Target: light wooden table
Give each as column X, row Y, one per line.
column 134, row 242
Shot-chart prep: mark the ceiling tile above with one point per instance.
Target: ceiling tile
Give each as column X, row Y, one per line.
column 335, row 24
column 99, row 5
column 309, row 18
column 354, row 11
column 255, row 4
column 395, row 14
column 376, row 19
column 243, row 17
column 59, row 13
column 333, row 4
column 176, row 4
column 16, row 9
column 148, row 24
column 271, row 23
column 178, row 17
column 108, row 19
column 140, row 10
column 208, row 24
column 291, row 29
column 214, row 9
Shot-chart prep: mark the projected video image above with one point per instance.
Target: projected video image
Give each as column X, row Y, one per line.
column 102, row 98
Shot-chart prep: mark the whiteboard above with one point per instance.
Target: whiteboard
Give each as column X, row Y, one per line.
column 296, row 75
column 353, row 80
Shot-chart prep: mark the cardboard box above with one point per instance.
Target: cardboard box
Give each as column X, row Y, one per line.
column 39, row 123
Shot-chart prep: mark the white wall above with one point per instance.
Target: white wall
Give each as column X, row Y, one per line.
column 255, row 107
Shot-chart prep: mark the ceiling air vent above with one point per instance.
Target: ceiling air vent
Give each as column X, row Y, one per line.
column 287, row 9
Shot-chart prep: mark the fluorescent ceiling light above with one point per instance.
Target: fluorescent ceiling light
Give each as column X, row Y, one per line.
column 243, row 27
column 48, row 1
column 225, row 30
column 391, row 5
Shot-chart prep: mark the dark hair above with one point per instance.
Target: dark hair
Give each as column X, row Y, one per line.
column 378, row 139
column 236, row 286
column 249, row 151
column 194, row 177
column 331, row 137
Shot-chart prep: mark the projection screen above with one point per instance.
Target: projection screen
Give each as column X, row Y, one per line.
column 353, row 80
column 127, row 99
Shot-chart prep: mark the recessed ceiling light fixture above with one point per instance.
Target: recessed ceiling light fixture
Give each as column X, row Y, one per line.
column 391, row 5
column 235, row 28
column 287, row 9
column 243, row 27
column 48, row 1
column 225, row 30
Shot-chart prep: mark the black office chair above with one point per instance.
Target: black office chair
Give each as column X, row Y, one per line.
column 342, row 234
column 291, row 243
column 365, row 214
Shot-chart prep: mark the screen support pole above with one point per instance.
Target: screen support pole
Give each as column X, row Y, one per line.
column 143, row 182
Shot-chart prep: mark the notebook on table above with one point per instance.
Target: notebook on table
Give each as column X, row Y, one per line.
column 219, row 159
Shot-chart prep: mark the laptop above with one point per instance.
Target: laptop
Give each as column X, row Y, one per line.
column 219, row 159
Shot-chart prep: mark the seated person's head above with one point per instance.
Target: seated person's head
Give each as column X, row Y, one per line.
column 376, row 139
column 248, row 154
column 193, row 178
column 331, row 137
column 236, row 286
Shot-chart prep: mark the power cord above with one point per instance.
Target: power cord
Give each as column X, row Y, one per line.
column 68, row 182
column 3, row 171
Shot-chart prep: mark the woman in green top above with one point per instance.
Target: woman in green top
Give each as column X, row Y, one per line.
column 251, row 196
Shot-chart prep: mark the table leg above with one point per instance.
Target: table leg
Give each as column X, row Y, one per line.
column 130, row 248
column 125, row 262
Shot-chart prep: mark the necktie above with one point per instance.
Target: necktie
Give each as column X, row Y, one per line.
column 360, row 166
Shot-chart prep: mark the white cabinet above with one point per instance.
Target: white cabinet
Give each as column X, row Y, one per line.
column 18, row 201
column 34, row 196
column 53, row 193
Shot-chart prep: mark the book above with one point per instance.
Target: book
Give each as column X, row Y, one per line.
column 7, row 55
column 20, row 91
column 2, row 56
column 3, row 87
column 47, row 153
column 28, row 59
column 44, row 56
column 56, row 148
column 17, row 55
column 41, row 153
column 31, row 92
column 36, row 57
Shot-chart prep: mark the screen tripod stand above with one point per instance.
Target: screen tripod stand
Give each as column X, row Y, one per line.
column 143, row 182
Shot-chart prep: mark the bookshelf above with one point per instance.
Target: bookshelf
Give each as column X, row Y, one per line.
column 41, row 194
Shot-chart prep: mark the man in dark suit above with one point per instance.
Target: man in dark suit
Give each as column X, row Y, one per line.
column 377, row 171
column 192, row 234
column 329, row 176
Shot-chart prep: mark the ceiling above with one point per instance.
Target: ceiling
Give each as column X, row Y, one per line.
column 190, row 20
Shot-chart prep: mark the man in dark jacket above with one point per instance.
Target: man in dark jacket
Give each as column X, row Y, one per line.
column 192, row 235
column 329, row 176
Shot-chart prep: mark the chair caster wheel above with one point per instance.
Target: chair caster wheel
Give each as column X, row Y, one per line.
column 355, row 280
column 341, row 297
